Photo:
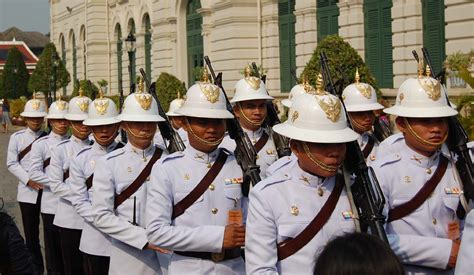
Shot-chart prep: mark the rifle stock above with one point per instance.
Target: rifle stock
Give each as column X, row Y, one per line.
column 281, row 142
column 244, row 152
column 166, row 129
column 456, row 142
column 366, row 190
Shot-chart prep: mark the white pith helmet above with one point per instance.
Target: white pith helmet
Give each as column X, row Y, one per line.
column 205, row 100
column 102, row 111
column 360, row 96
column 297, row 90
column 34, row 108
column 175, row 104
column 140, row 106
column 58, row 109
column 316, row 116
column 250, row 88
column 78, row 107
column 421, row 97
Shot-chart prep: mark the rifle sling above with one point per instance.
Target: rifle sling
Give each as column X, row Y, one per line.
column 25, row 151
column 91, row 177
column 408, row 207
column 201, row 187
column 46, row 162
column 261, row 142
column 368, row 147
column 138, row 182
column 292, row 245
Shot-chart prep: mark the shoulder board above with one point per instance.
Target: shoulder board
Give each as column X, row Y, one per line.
column 19, row 132
column 42, row 139
column 388, row 159
column 84, row 150
column 114, row 154
column 175, row 155
column 63, row 142
column 227, row 151
column 275, row 179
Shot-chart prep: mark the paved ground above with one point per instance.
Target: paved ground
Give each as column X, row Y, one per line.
column 8, row 184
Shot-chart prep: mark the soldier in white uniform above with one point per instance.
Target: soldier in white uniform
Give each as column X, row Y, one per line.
column 66, row 218
column 195, row 197
column 176, row 119
column 250, row 108
column 360, row 100
column 120, row 182
column 40, row 172
column 104, row 124
column 419, row 181
column 297, row 90
column 29, row 191
column 306, row 198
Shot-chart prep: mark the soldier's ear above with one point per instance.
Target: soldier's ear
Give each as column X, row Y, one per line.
column 401, row 124
column 296, row 147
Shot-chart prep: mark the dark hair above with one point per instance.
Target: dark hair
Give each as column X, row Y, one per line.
column 358, row 253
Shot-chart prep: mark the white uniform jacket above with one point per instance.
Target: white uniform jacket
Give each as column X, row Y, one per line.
column 267, row 155
column 465, row 261
column 420, row 239
column 40, row 152
column 112, row 175
column 201, row 227
column 281, row 207
column 61, row 157
column 280, row 164
column 19, row 141
column 363, row 141
column 93, row 241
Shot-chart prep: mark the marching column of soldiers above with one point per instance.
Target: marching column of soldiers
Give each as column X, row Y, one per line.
column 233, row 198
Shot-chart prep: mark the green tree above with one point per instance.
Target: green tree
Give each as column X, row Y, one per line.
column 86, row 88
column 167, row 88
column 40, row 80
column 15, row 75
column 343, row 61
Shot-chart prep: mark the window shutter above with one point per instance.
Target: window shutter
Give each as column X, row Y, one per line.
column 286, row 24
column 194, row 38
column 327, row 16
column 433, row 31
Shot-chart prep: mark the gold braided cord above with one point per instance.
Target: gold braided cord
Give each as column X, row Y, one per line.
column 325, row 167
column 201, row 140
column 247, row 119
column 356, row 124
column 420, row 139
column 130, row 131
column 77, row 130
column 107, row 141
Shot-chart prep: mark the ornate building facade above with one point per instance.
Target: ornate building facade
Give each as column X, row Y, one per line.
column 173, row 36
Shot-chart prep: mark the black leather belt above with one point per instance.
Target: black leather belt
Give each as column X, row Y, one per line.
column 227, row 254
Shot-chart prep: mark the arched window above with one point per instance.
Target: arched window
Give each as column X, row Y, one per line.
column 74, row 57
column 84, row 51
column 286, row 24
column 148, row 45
column 327, row 16
column 132, row 57
column 194, row 38
column 378, row 40
column 118, row 38
column 433, row 31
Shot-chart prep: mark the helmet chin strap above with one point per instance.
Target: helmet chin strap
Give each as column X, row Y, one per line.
column 357, row 125
column 138, row 135
column 320, row 164
column 247, row 119
column 75, row 129
column 104, row 142
column 201, row 140
column 420, row 139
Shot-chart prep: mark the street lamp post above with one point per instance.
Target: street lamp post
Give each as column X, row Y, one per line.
column 130, row 44
column 55, row 63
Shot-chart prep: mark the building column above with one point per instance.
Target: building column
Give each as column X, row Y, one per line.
column 305, row 32
column 351, row 24
column 459, row 28
column 271, row 45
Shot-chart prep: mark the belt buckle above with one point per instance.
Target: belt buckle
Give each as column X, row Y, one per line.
column 217, row 257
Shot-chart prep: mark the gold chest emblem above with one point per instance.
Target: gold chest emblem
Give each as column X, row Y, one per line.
column 253, row 81
column 332, row 107
column 101, row 106
column 144, row 100
column 364, row 89
column 432, row 87
column 61, row 105
column 210, row 91
column 35, row 104
column 83, row 104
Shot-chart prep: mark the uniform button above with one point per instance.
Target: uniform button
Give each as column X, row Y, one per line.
column 214, row 210
column 434, row 221
column 148, row 178
column 428, row 171
column 212, row 187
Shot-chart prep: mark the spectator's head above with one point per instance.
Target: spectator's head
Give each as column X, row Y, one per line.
column 358, row 253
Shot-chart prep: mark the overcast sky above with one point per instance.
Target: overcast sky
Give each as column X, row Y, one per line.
column 27, row 15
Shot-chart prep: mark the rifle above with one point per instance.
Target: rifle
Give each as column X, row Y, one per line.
column 368, row 195
column 281, row 142
column 244, row 152
column 123, row 134
column 456, row 142
column 166, row 129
